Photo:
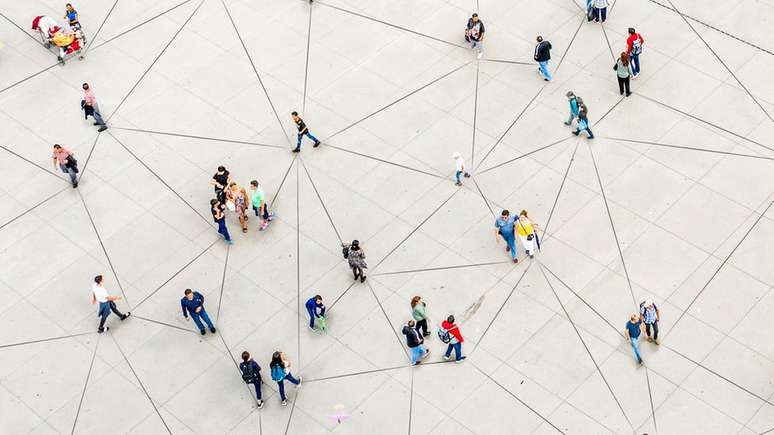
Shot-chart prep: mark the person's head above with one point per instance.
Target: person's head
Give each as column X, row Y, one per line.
column 450, row 319
column 570, row 95
column 98, row 279
column 294, row 114
column 624, row 58
column 69, row 7
column 355, row 245
column 539, row 38
column 634, row 318
column 505, row 214
column 189, row 294
column 245, row 356
column 523, row 213
column 221, row 169
column 317, row 299
column 648, row 304
column 474, row 17
column 254, row 184
column 276, row 359
column 631, row 31
column 213, row 202
column 57, row 146
column 85, row 86
column 232, row 186
column 415, row 300
column 411, row 323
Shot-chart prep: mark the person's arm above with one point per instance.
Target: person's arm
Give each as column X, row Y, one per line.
column 626, row 334
column 114, row 298
column 214, row 183
column 56, row 162
column 93, row 299
column 199, row 298
column 481, row 32
column 322, row 310
column 184, row 307
column 658, row 314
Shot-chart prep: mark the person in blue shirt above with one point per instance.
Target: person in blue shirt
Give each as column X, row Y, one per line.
column 72, row 17
column 193, row 303
column 632, row 333
column 504, row 227
column 251, row 374
column 574, row 109
column 315, row 308
column 583, row 122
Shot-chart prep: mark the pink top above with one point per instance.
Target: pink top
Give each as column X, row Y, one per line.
column 61, row 154
column 88, row 96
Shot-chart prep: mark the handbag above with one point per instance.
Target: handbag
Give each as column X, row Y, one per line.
column 230, row 205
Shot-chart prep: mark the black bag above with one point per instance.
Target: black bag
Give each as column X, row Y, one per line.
column 530, row 237
column 71, row 163
column 345, row 251
column 249, row 375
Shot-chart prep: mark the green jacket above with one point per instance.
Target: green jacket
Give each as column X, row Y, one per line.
column 419, row 312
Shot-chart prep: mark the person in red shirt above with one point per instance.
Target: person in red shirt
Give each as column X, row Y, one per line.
column 456, row 339
column 634, row 47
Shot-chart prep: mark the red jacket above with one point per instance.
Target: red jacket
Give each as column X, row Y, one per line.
column 453, row 330
column 630, row 41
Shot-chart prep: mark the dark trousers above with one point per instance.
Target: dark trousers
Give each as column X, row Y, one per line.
column 655, row 329
column 600, row 13
column 257, row 385
column 312, row 316
column 357, row 271
column 223, row 230
column 289, row 377
column 623, row 82
column 265, row 214
column 105, row 312
column 202, row 315
column 220, row 194
column 457, row 347
column 422, row 324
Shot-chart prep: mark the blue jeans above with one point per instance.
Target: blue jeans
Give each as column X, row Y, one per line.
column 416, row 353
column 457, row 176
column 312, row 316
column 586, row 129
column 544, row 69
column 223, row 230
column 457, row 351
column 511, row 241
column 257, row 385
column 201, row 314
column 307, row 134
column 70, row 172
column 635, row 58
column 98, row 117
column 636, row 348
column 289, row 377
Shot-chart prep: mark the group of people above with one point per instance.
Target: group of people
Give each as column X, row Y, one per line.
column 416, row 330
column 68, row 40
column 231, row 197
column 507, row 227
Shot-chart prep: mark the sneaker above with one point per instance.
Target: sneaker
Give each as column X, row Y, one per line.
column 75, row 185
column 531, row 255
column 628, row 93
column 567, row 123
column 427, row 334
column 466, row 175
column 458, row 183
column 96, row 123
column 284, row 403
column 362, row 278
column 591, row 137
column 230, row 242
column 515, row 260
column 271, row 217
column 356, row 277
column 507, row 249
column 300, row 379
column 657, row 342
column 650, row 340
column 479, row 55
column 213, row 330
column 311, row 328
column 296, row 150
column 576, row 133
column 316, row 144
column 446, row 358
column 640, row 361
column 101, row 330
column 260, row 404
column 426, row 354
column 417, row 363
column 202, row 331
column 103, row 128
column 545, row 79
column 126, row 315
column 462, row 358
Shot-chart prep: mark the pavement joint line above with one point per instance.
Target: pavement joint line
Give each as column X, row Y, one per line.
column 585, row 346
column 12, row 220
column 683, row 147
column 486, row 202
column 209, row 224
column 475, row 116
column 88, row 157
column 322, row 203
column 282, row 183
column 411, row 399
column 292, row 409
column 94, row 38
column 161, row 53
column 144, row 390
column 306, row 63
column 164, row 324
column 33, row 75
column 22, row 29
column 43, row 340
column 330, row 307
column 514, row 62
column 222, row 283
column 561, row 187
column 298, row 268
column 650, row 397
column 433, row 269
column 255, row 70
column 610, row 47
column 102, row 245
column 191, row 136
column 85, row 385
column 10, row 151
column 387, row 319
column 139, row 25
column 572, row 40
column 527, row 154
column 379, row 159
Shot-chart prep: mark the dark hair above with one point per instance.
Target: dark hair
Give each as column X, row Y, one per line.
column 625, row 59
column 221, row 168
column 254, row 183
column 539, row 38
column 213, row 201
column 188, row 291
column 317, row 298
column 294, row 113
column 450, row 319
column 98, row 279
column 69, row 4
column 85, row 86
column 505, row 213
column 276, row 360
column 355, row 245
column 245, row 356
column 57, row 146
column 474, row 14
column 523, row 213
column 411, row 323
column 631, row 30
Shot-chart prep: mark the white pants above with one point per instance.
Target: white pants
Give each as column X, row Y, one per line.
column 528, row 244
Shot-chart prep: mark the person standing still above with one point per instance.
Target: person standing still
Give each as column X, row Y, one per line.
column 251, row 374
column 621, row 67
column 542, row 56
column 356, row 259
column 315, row 308
column 218, row 215
column 418, row 312
column 414, row 343
column 650, row 315
column 193, row 303
column 303, row 130
column 634, row 47
column 220, row 182
column 504, row 227
column 456, row 340
column 600, row 10
column 474, row 33
column 260, row 206
column 106, row 303
column 632, row 333
column 65, row 160
column 89, row 105
column 280, row 372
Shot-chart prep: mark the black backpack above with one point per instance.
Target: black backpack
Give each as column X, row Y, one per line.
column 345, row 251
column 249, row 375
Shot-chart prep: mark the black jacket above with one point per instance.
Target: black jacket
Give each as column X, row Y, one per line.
column 412, row 337
column 543, row 51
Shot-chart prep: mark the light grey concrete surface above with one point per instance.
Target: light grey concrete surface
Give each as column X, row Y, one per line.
column 670, row 201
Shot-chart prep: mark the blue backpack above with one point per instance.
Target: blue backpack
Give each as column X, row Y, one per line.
column 277, row 373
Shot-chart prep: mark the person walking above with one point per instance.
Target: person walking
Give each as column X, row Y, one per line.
column 356, row 258
column 72, row 18
column 418, row 307
column 193, row 303
column 504, row 227
column 650, row 315
column 632, row 333
column 450, row 329
column 414, row 343
column 600, row 10
column 622, row 68
column 575, row 103
column 236, row 199
column 542, row 56
column 65, row 160
column 589, row 10
column 474, row 34
column 583, row 123
column 220, row 182
column 303, row 130
column 460, row 170
column 260, row 206
column 525, row 228
column 90, row 108
column 634, row 47
column 315, row 308
column 218, row 215
column 107, row 303
column 280, row 372
column 251, row 374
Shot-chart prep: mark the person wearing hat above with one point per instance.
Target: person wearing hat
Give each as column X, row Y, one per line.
column 650, row 317
column 474, row 33
column 574, row 107
column 459, row 163
column 356, row 258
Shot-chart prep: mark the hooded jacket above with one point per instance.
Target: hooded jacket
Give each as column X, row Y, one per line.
column 453, row 329
column 412, row 336
column 543, row 51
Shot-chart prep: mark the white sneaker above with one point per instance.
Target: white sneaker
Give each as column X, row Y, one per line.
column 284, row 403
column 479, row 55
column 446, row 358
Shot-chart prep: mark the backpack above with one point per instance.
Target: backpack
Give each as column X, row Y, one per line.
column 444, row 335
column 249, row 375
column 345, row 251
column 637, row 46
column 277, row 373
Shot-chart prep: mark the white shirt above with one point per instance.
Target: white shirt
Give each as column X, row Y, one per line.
column 99, row 293
column 460, row 163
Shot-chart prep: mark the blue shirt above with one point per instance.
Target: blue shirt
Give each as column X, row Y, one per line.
column 313, row 307
column 72, row 16
column 573, row 106
column 634, row 328
column 505, row 226
column 193, row 304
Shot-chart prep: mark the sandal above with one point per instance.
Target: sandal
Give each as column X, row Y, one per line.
column 244, row 230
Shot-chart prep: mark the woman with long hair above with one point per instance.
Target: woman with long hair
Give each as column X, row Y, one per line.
column 418, row 313
column 622, row 67
column 280, row 371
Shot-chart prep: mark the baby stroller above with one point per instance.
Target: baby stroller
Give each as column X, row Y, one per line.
column 65, row 43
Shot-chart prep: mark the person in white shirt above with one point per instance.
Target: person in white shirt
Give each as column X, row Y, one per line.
column 106, row 303
column 459, row 163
